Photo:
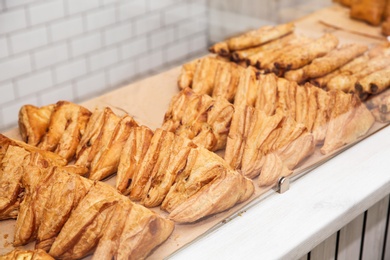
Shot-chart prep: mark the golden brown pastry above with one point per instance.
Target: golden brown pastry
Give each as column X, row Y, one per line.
column 187, row 74
column 66, row 126
column 370, row 11
column 253, row 38
column 97, row 137
column 172, row 160
column 51, row 195
column 349, row 120
column 92, row 131
column 269, row 146
column 172, row 172
column 204, row 75
column 11, row 173
column 347, row 3
column 51, row 158
column 272, row 169
column 375, row 82
column 264, row 59
column 37, row 254
column 112, row 225
column 351, row 67
column 267, row 94
column 158, row 149
column 386, row 26
column 200, row 118
column 133, row 152
column 33, row 122
column 242, row 55
column 328, row 63
column 206, row 186
column 260, row 128
column 349, row 81
column 226, row 81
column 106, row 161
column 247, row 88
column 299, row 57
column 14, row 156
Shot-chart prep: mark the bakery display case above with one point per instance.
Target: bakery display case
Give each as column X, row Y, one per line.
column 272, row 146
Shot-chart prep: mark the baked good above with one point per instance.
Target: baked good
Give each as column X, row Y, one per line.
column 188, row 181
column 326, row 64
column 370, row 11
column 33, row 122
column 202, row 119
column 37, row 254
column 252, row 38
column 67, row 124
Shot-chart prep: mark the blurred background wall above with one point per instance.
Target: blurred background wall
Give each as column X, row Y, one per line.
column 73, row 50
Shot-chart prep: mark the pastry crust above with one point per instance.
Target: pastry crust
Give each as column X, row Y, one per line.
column 106, row 161
column 200, row 118
column 33, row 122
column 252, row 38
column 370, row 11
column 326, row 64
column 66, row 126
column 133, row 152
column 98, row 136
column 299, row 57
column 36, row 254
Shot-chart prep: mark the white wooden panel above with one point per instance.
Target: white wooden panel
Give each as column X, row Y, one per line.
column 375, row 230
column 326, row 250
column 387, row 246
column 303, row 257
column 350, row 239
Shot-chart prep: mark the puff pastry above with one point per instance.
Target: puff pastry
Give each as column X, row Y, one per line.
column 67, row 124
column 33, row 122
column 200, row 118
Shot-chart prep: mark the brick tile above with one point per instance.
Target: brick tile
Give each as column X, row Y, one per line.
column 28, row 40
column 134, row 47
column 199, row 44
column 3, row 47
column 162, row 37
column 70, row 70
column 121, row 73
column 118, row 33
column 15, row 67
column 46, row 12
column 176, row 14
column 15, row 3
column 34, row 83
column 130, row 9
column 192, row 26
column 50, row 55
column 86, row 44
column 177, row 51
column 148, row 23
column 76, row 6
column 103, row 59
column 11, row 110
column 12, row 20
column 90, row 86
column 64, row 92
column 150, row 61
column 7, row 92
column 160, row 4
column 65, row 29
column 101, row 18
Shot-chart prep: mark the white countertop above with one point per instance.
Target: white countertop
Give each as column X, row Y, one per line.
column 287, row 226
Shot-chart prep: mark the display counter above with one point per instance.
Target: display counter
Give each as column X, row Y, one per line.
column 275, row 226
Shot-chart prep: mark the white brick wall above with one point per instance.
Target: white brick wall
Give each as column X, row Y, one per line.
column 76, row 49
